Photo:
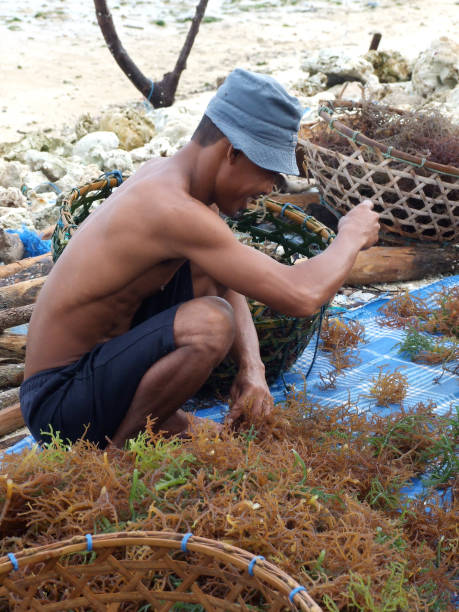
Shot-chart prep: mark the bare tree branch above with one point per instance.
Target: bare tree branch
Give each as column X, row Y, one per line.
column 164, row 90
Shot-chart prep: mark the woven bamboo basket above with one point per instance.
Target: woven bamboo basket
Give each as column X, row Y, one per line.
column 146, row 571
column 290, row 234
column 416, row 198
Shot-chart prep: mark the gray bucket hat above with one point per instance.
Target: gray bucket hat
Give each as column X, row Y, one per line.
column 258, row 117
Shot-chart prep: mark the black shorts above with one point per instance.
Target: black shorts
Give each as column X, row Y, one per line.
column 92, row 395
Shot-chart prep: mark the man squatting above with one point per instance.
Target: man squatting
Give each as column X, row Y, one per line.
column 149, row 295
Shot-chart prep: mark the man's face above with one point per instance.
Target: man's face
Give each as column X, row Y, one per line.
column 238, row 181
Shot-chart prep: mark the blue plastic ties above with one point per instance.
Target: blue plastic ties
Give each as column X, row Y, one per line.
column 55, row 188
column 185, row 539
column 294, row 591
column 14, row 561
column 354, row 135
column 388, row 153
column 290, row 205
column 148, row 99
column 116, row 174
column 88, row 537
column 252, row 563
column 151, row 91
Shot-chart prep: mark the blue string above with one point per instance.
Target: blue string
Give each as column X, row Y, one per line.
column 322, row 312
column 55, row 187
column 252, row 563
column 337, row 214
column 14, row 561
column 116, row 174
column 88, row 537
column 294, row 591
column 185, row 539
column 150, row 94
column 290, row 205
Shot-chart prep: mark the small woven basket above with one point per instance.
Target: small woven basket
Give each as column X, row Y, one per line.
column 145, row 571
column 417, row 199
column 288, row 231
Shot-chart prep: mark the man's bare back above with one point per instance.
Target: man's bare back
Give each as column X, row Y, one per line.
column 117, row 258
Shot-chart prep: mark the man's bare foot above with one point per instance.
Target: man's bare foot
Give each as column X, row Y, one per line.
column 182, row 424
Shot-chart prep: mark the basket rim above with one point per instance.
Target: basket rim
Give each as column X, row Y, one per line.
column 328, row 108
column 242, row 559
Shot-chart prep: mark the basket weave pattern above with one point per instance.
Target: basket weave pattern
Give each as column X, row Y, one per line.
column 128, row 571
column 413, row 198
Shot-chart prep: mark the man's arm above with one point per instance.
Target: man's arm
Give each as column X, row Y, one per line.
column 297, row 290
column 249, row 389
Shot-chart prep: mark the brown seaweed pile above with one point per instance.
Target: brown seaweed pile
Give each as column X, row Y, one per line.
column 389, row 387
column 315, row 489
column 408, row 312
column 421, row 133
column 340, row 338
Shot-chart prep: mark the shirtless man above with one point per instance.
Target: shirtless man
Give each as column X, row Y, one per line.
column 124, row 327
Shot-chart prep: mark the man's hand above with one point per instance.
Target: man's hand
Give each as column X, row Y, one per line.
column 249, row 395
column 363, row 222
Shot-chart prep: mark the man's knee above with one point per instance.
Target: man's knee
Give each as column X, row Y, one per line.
column 207, row 323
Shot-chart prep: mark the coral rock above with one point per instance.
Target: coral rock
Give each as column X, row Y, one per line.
column 105, row 141
column 389, row 66
column 437, row 68
column 15, row 218
column 340, row 67
column 51, row 166
column 132, row 127
column 12, row 174
column 12, row 197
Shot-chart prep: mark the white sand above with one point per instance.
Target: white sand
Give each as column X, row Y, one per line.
column 55, row 64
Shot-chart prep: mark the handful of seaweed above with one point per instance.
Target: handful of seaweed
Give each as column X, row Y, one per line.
column 340, row 338
column 422, row 133
column 389, row 387
column 317, row 490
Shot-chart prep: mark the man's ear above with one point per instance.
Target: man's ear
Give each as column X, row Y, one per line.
column 231, row 154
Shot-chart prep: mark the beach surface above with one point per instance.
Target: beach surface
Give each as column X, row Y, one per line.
column 56, row 65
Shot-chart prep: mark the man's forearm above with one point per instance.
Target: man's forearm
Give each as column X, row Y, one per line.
column 245, row 349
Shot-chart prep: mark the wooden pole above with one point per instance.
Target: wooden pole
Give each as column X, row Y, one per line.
column 7, row 398
column 24, row 264
column 15, row 316
column 391, row 264
column 11, row 375
column 11, row 419
column 20, row 294
column 13, row 346
column 376, row 39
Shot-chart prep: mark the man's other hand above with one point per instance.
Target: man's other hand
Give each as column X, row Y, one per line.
column 362, row 222
column 250, row 397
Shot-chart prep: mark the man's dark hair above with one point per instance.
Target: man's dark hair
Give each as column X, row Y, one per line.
column 207, row 133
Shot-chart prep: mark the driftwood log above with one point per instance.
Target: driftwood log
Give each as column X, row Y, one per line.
column 15, row 316
column 391, row 264
column 11, row 375
column 32, row 267
column 13, row 346
column 11, row 419
column 7, row 398
column 20, row 294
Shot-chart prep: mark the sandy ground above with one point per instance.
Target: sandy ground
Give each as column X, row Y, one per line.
column 55, row 65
